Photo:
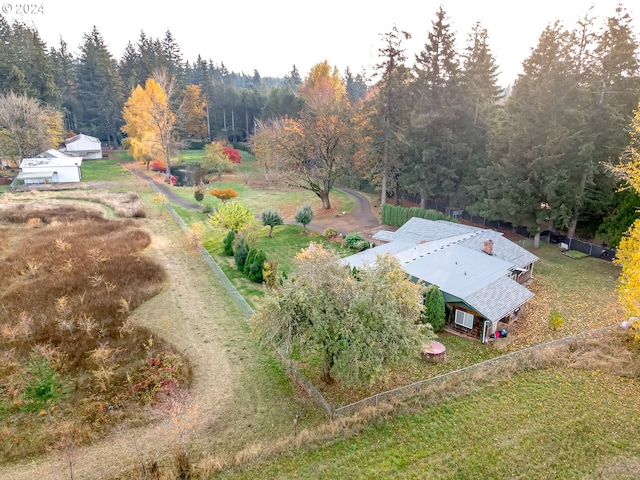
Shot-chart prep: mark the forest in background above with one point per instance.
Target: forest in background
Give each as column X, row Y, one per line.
column 437, row 126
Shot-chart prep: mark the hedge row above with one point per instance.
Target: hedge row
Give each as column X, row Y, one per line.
column 397, row 215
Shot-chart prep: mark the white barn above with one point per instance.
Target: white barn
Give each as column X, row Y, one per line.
column 83, row 146
column 51, row 166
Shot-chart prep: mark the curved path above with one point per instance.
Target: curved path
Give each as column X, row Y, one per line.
column 234, row 400
column 361, row 219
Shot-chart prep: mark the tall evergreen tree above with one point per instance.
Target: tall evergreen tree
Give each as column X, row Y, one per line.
column 28, row 70
column 526, row 182
column 282, row 102
column 387, row 111
column 64, row 71
column 293, row 79
column 436, row 149
column 128, row 67
column 356, row 85
column 481, row 94
column 614, row 91
column 99, row 90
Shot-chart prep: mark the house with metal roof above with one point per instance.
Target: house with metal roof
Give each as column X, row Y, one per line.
column 480, row 272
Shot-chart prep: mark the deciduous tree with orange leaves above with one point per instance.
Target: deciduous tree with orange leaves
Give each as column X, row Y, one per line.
column 315, row 150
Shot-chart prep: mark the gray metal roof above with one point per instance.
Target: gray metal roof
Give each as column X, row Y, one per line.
column 502, row 248
column 457, row 270
column 384, row 235
column 420, row 229
column 451, row 256
column 369, row 256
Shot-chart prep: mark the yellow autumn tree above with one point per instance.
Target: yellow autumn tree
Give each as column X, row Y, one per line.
column 323, row 85
column 628, row 253
column 192, row 113
column 149, row 124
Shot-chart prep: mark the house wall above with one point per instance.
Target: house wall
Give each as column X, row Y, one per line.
column 450, row 322
column 62, row 175
column 69, row 174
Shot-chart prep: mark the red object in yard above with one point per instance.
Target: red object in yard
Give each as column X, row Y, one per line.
column 434, row 351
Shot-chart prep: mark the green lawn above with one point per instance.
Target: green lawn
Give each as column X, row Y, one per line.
column 566, row 424
column 102, row 170
column 286, row 200
column 287, row 241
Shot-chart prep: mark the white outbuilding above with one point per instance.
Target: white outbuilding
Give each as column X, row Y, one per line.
column 51, row 166
column 84, row 146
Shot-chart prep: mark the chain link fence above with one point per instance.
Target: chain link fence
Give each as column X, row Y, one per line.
column 465, row 379
column 591, row 249
column 238, row 299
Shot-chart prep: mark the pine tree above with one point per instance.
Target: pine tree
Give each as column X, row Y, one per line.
column 271, row 217
column 481, row 95
column 525, row 182
column 387, row 113
column 436, row 150
column 99, row 90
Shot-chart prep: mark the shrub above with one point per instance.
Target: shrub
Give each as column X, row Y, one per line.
column 232, row 154
column 198, row 194
column 249, row 260
column 329, row 233
column 241, row 252
column 397, row 215
column 304, row 215
column 434, row 312
column 556, row 320
column 256, row 266
column 161, row 374
column 228, row 242
column 361, row 245
column 355, row 241
column 158, row 165
column 43, row 384
column 270, row 271
column 224, row 194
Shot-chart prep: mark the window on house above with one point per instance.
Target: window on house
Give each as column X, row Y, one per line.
column 465, row 319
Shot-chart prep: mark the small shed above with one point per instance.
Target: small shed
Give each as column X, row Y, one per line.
column 51, row 166
column 84, row 146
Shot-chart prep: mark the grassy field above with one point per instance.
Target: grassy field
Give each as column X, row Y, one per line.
column 541, row 424
column 102, row 170
column 285, row 200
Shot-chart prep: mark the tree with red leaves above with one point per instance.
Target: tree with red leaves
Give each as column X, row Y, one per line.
column 232, row 154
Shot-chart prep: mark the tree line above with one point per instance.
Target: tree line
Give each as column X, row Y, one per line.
column 441, row 128
column 437, row 126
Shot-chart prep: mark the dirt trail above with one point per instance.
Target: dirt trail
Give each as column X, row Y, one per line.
column 188, row 313
column 235, row 404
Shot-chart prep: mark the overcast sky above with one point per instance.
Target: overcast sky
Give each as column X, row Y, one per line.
column 272, row 36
